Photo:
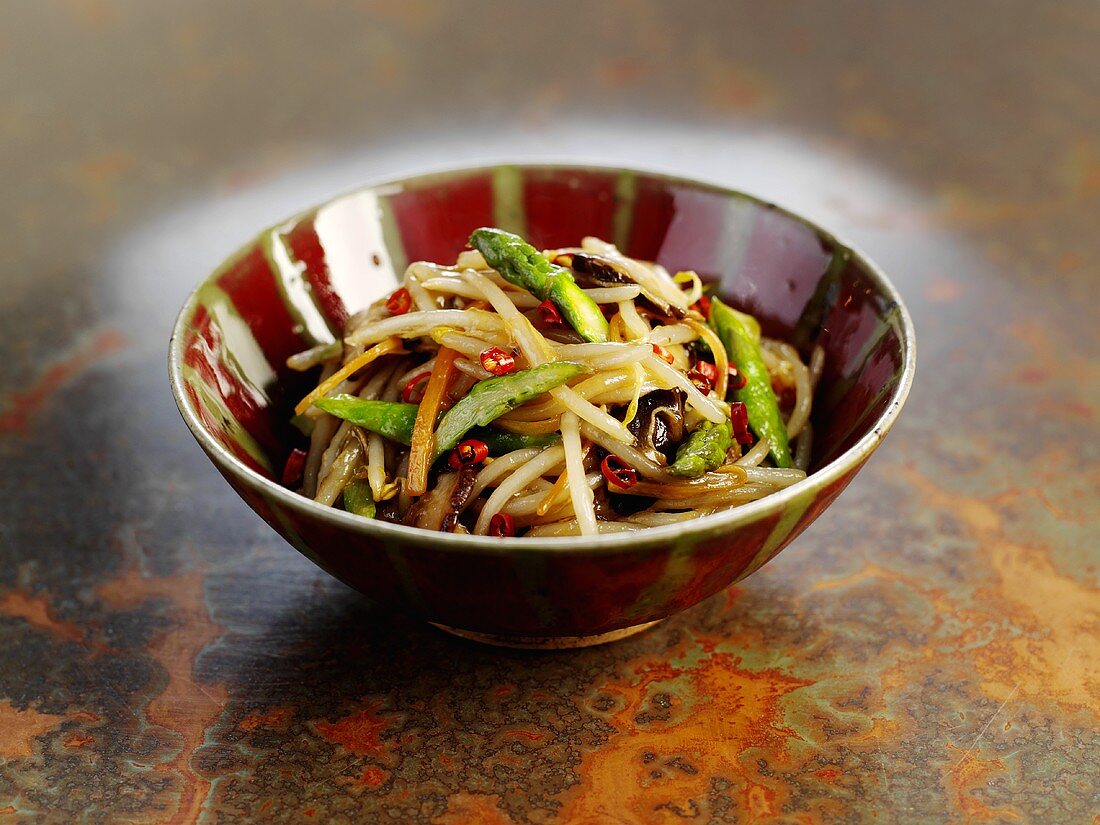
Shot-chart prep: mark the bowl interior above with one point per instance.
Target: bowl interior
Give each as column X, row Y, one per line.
column 296, row 284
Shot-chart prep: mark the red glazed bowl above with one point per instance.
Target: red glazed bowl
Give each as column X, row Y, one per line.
column 297, row 283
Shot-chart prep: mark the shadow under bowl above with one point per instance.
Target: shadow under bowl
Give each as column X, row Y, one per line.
column 296, row 285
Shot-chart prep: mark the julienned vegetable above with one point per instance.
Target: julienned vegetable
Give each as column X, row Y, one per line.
column 740, row 335
column 523, row 265
column 395, row 420
column 704, row 450
column 392, row 419
column 385, row 347
column 442, row 408
column 358, row 500
column 488, row 400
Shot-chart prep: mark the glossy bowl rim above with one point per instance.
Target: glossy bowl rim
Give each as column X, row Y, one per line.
column 730, row 519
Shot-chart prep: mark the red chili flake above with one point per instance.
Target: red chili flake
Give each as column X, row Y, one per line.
column 739, row 417
column 702, row 306
column 704, row 375
column 737, row 378
column 618, row 473
column 709, row 371
column 497, row 361
column 663, row 354
column 413, row 393
column 502, row 525
column 549, row 314
column 399, row 302
column 700, row 383
column 470, row 451
column 295, row 465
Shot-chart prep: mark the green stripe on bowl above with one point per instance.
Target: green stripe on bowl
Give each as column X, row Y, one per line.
column 733, row 245
column 821, row 302
column 679, row 570
column 392, row 242
column 297, row 294
column 508, row 211
column 887, row 323
column 626, row 192
column 795, row 509
column 213, row 402
column 242, row 355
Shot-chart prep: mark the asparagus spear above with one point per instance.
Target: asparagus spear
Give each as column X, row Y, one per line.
column 493, row 397
column 704, row 450
column 395, row 421
column 740, row 335
column 391, row 419
column 523, row 265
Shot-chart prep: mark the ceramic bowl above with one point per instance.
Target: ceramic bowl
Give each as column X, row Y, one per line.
column 297, row 283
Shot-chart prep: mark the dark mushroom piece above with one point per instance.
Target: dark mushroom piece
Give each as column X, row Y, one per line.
column 658, row 426
column 602, row 271
column 598, row 270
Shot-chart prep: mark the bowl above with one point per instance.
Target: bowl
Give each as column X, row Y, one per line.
column 297, row 283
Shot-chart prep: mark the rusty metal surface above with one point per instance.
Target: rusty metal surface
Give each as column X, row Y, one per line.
column 926, row 652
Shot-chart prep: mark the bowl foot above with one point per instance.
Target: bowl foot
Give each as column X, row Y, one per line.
column 547, row 642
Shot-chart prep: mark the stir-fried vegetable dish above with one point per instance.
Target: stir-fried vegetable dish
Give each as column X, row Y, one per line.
column 526, row 392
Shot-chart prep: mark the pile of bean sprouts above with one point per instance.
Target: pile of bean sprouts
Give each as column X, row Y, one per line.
column 656, row 327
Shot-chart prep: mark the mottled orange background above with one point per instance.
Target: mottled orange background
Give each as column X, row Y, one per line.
column 926, row 652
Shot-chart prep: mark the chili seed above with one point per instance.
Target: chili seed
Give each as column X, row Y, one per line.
column 709, row 371
column 399, row 302
column 704, row 375
column 497, row 361
column 470, row 451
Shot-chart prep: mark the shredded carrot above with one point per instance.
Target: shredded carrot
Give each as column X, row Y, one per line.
column 390, row 345
column 436, row 394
